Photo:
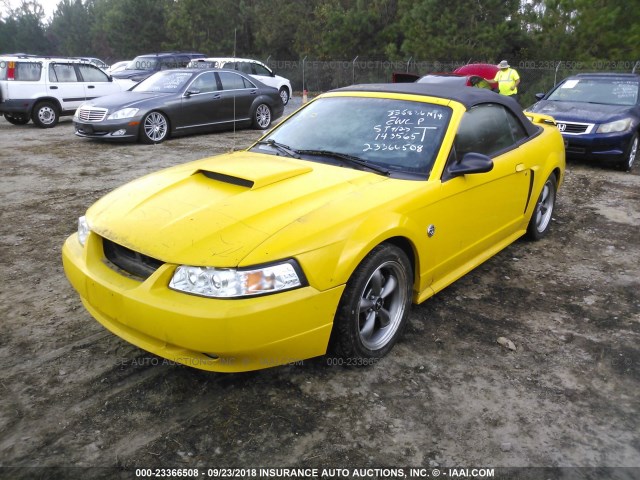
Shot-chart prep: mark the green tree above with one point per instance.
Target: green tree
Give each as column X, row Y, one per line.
column 351, row 28
column 70, row 29
column 127, row 28
column 550, row 27
column 607, row 29
column 292, row 38
column 25, row 31
column 217, row 27
column 479, row 30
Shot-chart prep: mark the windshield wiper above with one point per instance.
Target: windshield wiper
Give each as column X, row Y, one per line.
column 281, row 147
column 352, row 159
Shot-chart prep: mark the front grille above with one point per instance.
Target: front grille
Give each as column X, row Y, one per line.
column 574, row 128
column 132, row 262
column 88, row 114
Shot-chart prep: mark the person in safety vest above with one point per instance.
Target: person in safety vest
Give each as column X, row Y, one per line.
column 508, row 80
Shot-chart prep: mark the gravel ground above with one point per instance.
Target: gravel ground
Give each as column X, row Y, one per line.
column 74, row 395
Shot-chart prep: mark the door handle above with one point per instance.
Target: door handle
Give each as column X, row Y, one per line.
column 91, row 86
column 254, row 92
column 53, row 88
column 520, row 167
column 216, row 97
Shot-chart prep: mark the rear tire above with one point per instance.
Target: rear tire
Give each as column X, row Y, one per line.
column 542, row 214
column 45, row 115
column 374, row 306
column 17, row 118
column 262, row 117
column 284, row 95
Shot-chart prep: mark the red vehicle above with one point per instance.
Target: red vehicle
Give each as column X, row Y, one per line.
column 470, row 75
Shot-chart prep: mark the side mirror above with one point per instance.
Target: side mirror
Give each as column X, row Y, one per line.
column 194, row 91
column 471, row 163
column 539, row 96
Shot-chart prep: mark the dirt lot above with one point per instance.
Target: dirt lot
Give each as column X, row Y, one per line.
column 72, row 394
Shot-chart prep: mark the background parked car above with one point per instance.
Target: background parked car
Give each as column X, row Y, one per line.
column 42, row 89
column 472, row 75
column 144, row 65
column 598, row 115
column 455, row 79
column 95, row 61
column 180, row 101
column 253, row 68
column 116, row 67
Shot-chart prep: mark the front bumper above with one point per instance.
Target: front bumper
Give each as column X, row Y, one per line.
column 606, row 147
column 123, row 130
column 210, row 334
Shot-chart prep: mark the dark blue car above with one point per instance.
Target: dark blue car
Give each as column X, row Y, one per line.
column 598, row 115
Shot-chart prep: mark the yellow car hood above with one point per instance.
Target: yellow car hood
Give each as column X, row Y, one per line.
column 214, row 212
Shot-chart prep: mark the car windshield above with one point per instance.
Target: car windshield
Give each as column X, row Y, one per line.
column 142, row 63
column 164, row 82
column 608, row 91
column 397, row 136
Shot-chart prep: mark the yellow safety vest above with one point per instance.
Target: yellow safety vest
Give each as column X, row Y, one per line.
column 506, row 79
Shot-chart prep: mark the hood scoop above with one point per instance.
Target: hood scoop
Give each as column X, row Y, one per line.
column 221, row 177
column 254, row 173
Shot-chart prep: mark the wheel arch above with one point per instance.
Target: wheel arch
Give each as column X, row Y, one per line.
column 54, row 100
column 348, row 262
column 260, row 99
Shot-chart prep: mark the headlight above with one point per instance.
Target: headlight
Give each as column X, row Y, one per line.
column 617, row 126
column 124, row 113
column 83, row 230
column 231, row 282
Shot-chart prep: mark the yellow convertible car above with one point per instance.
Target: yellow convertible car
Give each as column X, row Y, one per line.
column 321, row 235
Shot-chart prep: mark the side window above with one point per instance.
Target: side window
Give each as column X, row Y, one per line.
column 181, row 62
column 26, row 71
column 517, row 130
column 487, row 129
column 248, row 84
column 261, row 70
column 205, row 83
column 231, row 81
column 244, row 67
column 90, row 73
column 62, row 72
column 168, row 63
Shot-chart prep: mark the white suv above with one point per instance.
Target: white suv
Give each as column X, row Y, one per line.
column 42, row 88
column 253, row 68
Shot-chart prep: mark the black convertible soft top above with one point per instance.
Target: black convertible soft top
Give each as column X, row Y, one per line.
column 467, row 96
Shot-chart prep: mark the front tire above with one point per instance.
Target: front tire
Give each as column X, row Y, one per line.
column 45, row 115
column 154, row 128
column 542, row 214
column 262, row 117
column 374, row 306
column 630, row 155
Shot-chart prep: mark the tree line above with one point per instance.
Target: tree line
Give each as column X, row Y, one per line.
column 479, row 30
